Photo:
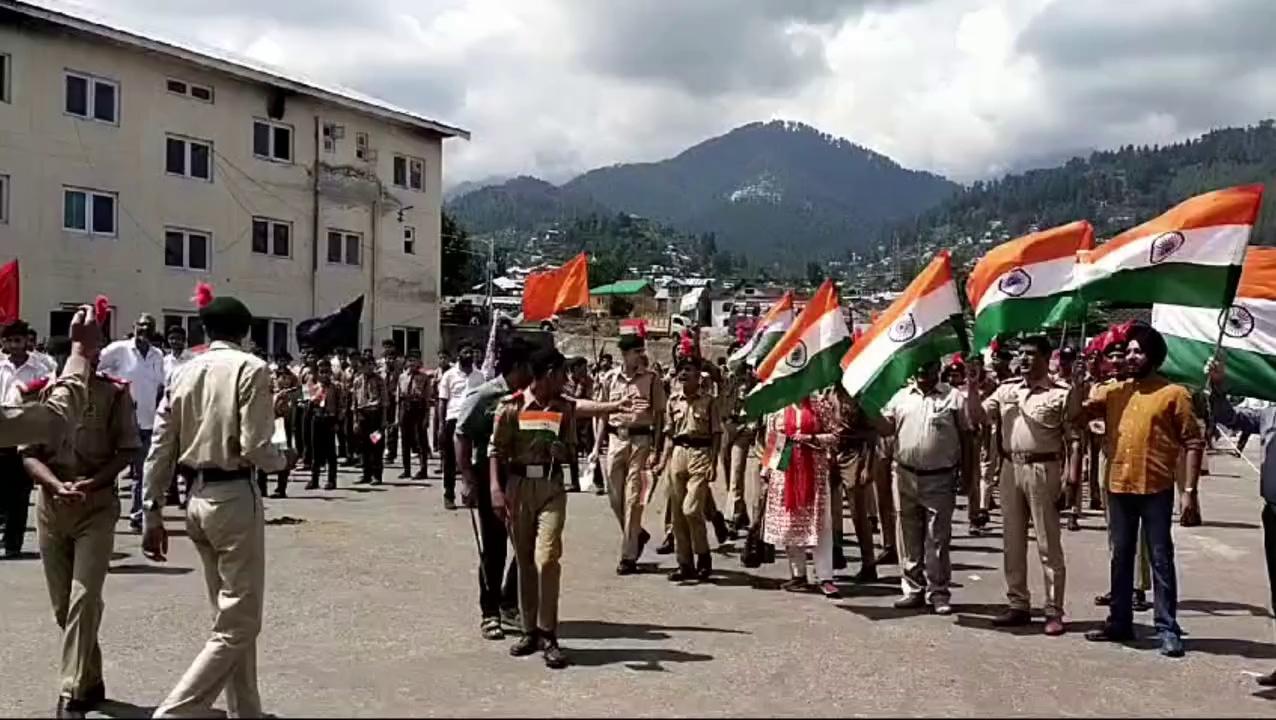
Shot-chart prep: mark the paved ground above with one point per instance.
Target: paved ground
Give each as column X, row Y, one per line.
column 371, row 612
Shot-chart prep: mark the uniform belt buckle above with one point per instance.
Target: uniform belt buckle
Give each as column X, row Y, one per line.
column 535, row 472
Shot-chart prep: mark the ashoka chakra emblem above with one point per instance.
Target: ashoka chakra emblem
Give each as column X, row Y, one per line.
column 1165, row 245
column 1015, row 283
column 1237, row 322
column 797, row 357
column 904, row 329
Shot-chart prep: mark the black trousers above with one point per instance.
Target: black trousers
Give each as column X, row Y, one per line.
column 449, row 460
column 412, row 430
column 372, row 453
column 346, row 438
column 1269, row 545
column 15, row 498
column 323, row 448
column 493, row 595
column 301, row 420
column 392, row 431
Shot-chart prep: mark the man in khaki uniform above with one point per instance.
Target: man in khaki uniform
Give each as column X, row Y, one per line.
column 64, row 401
column 692, row 419
column 1032, row 413
column 633, row 436
column 216, row 423
column 533, row 435
column 368, row 402
column 76, row 509
column 739, row 432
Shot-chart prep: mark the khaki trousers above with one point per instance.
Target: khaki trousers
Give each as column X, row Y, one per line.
column 538, row 511
column 738, row 450
column 1031, row 491
column 626, row 461
column 75, row 549
column 925, row 533
column 224, row 520
column 689, row 470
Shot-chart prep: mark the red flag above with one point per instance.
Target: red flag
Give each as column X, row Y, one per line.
column 10, row 294
column 552, row 291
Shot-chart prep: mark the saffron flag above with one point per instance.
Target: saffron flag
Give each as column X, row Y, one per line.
column 805, row 359
column 921, row 326
column 10, row 293
column 1026, row 284
column 777, row 321
column 1189, row 256
column 552, row 291
column 1248, row 330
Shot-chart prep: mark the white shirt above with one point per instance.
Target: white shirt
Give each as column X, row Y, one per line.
column 172, row 362
column 453, row 386
column 12, row 377
column 145, row 376
column 46, row 360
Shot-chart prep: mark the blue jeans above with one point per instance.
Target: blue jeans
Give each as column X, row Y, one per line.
column 1155, row 513
column 139, row 459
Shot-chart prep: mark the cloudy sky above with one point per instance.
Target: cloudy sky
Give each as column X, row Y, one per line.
column 966, row 88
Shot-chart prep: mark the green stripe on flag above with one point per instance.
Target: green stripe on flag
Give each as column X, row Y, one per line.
column 1249, row 374
column 1015, row 315
column 822, row 370
column 1171, row 283
column 901, row 367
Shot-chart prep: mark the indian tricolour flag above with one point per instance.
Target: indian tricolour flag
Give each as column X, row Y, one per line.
column 1248, row 330
column 777, row 321
column 540, row 423
column 778, row 453
column 1191, row 255
column 921, row 326
column 805, row 359
column 1026, row 284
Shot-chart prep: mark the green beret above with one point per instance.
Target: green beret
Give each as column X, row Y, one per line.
column 630, row 342
column 226, row 315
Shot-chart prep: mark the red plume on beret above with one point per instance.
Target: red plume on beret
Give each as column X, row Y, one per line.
column 101, row 308
column 203, row 295
column 957, row 360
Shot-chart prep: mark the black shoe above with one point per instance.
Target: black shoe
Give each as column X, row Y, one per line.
column 720, row 529
column 96, row 694
column 1108, row 633
column 330, row 486
column 376, row 481
column 682, row 573
column 526, row 645
column 312, row 486
column 405, row 475
column 389, row 458
column 278, row 495
column 1103, row 600
column 740, row 524
column 1268, row 680
column 887, row 557
column 1074, row 525
column 600, row 490
column 1012, row 617
column 704, row 566
column 365, row 480
column 1140, row 602
column 867, row 574
column 666, row 548
column 768, row 554
column 1171, row 645
column 910, row 602
column 839, row 558
column 554, row 657
column 573, row 488
column 644, row 537
column 449, row 504
column 420, row 475
column 65, row 709
column 627, row 567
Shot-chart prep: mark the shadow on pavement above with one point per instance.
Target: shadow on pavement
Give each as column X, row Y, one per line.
column 632, row 658
column 737, row 578
column 976, row 548
column 1229, row 524
column 139, row 569
column 968, row 566
column 1222, row 607
column 602, row 630
column 1268, row 694
column 121, row 709
column 876, row 589
column 1233, row 647
column 887, row 612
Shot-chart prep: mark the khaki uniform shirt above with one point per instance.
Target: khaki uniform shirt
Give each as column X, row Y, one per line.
column 643, row 388
column 106, row 427
column 217, row 414
column 693, row 417
column 367, row 392
column 529, row 432
column 928, row 427
column 1033, row 417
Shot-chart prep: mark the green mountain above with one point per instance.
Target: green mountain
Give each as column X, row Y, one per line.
column 774, row 191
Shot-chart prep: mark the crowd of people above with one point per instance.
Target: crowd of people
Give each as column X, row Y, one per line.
column 1029, row 429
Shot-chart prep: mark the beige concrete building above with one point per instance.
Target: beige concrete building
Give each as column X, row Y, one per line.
column 135, row 168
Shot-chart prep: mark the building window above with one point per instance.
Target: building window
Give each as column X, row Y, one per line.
column 92, row 98
column 89, row 211
column 5, row 81
column 272, row 141
column 4, row 199
column 188, row 322
column 186, row 249
column 203, row 93
column 361, row 146
column 271, row 335
column 343, row 247
column 409, row 172
column 189, row 158
column 272, row 237
column 409, row 240
column 60, row 320
column 407, row 339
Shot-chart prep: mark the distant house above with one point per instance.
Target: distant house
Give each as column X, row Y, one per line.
column 624, row 298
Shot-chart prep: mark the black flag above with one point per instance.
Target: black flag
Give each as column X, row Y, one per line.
column 337, row 330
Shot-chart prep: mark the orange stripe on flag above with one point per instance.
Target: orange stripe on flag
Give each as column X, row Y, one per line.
column 553, row 291
column 1258, row 278
column 781, row 306
column 1052, row 244
column 1230, row 206
column 938, row 273
column 825, row 300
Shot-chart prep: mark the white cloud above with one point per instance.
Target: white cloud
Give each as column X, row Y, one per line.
column 967, row 88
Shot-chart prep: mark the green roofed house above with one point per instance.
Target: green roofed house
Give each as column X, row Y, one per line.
column 623, row 298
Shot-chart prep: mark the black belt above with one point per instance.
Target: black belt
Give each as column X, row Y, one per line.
column 927, row 473
column 215, row 474
column 692, row 442
column 1034, row 458
column 631, row 431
